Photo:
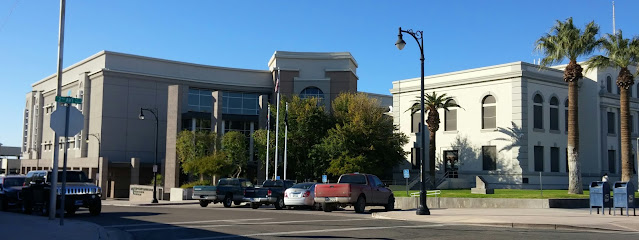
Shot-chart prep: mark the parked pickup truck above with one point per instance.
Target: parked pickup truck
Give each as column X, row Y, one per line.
column 227, row 191
column 271, row 192
column 358, row 190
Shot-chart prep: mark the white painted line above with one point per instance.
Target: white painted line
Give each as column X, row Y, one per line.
column 313, row 231
column 181, row 223
column 227, row 225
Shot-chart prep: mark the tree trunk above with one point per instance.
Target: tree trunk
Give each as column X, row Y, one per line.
column 431, row 157
column 572, row 74
column 624, row 81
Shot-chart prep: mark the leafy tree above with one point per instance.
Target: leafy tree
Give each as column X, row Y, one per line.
column 364, row 138
column 432, row 104
column 234, row 145
column 567, row 41
column 197, row 154
column 620, row 53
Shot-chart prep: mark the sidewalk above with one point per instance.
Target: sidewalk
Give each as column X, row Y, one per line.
column 127, row 203
column 22, row 226
column 550, row 218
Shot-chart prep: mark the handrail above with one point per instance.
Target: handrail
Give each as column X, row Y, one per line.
column 436, row 193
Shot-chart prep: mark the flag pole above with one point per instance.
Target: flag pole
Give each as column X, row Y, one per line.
column 268, row 135
column 277, row 121
column 285, row 138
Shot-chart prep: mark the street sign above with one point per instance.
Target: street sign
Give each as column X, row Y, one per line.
column 68, row 100
column 155, row 168
column 324, row 178
column 406, row 173
column 76, row 120
column 277, row 177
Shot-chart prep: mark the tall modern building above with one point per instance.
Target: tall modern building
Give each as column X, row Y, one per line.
column 511, row 127
column 115, row 86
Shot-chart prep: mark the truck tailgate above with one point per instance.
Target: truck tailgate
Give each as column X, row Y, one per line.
column 333, row 190
column 204, row 192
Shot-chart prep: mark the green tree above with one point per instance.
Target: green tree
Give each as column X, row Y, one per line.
column 620, row 53
column 432, row 104
column 234, row 145
column 364, row 138
column 193, row 148
column 565, row 41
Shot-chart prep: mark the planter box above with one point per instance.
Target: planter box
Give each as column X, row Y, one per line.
column 144, row 193
column 180, row 194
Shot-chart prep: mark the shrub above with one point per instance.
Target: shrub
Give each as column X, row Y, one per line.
column 195, row 183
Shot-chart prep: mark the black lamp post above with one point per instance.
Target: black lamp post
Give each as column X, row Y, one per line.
column 155, row 163
column 418, row 35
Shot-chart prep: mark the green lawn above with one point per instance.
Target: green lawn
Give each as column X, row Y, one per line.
column 507, row 193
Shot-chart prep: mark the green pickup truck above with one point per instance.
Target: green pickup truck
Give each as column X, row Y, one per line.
column 227, row 191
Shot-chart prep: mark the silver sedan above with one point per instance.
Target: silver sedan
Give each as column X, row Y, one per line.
column 300, row 195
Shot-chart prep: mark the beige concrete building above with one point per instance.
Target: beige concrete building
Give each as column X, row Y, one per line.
column 115, row 86
column 511, row 127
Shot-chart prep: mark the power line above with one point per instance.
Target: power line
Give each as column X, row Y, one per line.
column 6, row 19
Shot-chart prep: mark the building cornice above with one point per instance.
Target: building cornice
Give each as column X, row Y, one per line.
column 312, row 55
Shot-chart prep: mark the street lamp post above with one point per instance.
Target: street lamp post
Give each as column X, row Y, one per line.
column 155, row 162
column 418, row 35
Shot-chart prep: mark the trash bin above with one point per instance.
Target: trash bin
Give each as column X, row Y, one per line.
column 600, row 196
column 624, row 197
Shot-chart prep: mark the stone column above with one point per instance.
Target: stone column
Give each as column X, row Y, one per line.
column 103, row 165
column 176, row 99
column 216, row 113
column 135, row 171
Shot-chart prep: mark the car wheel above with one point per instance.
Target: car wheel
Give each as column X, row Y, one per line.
column 96, row 207
column 204, row 203
column 3, row 204
column 360, row 205
column 279, row 203
column 390, row 205
column 228, row 200
column 327, row 207
column 255, row 205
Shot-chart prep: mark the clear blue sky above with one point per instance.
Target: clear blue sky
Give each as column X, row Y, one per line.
column 459, row 34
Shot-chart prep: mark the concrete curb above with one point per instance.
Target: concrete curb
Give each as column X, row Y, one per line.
column 138, row 204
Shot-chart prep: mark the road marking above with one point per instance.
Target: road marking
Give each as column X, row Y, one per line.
column 314, row 231
column 182, row 223
column 242, row 223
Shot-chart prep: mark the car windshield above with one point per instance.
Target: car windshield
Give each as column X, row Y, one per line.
column 73, row 177
column 13, row 182
column 355, row 178
column 270, row 183
column 303, row 185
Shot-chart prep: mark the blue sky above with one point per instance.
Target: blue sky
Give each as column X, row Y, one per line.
column 459, row 34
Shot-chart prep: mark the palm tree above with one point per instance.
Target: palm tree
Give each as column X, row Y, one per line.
column 566, row 41
column 432, row 103
column 620, row 53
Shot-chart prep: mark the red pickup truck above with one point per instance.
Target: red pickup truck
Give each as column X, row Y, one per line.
column 358, row 190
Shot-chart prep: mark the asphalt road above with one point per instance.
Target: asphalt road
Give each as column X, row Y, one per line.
column 241, row 222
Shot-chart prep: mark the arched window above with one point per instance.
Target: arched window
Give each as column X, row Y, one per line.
column 489, row 112
column 450, row 117
column 312, row 92
column 415, row 119
column 566, row 117
column 609, row 84
column 554, row 113
column 538, row 113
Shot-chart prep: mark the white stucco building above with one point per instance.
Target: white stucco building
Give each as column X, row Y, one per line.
column 511, row 126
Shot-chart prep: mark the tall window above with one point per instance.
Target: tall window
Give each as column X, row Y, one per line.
column 554, row 159
column 554, row 113
column 240, row 103
column 415, row 158
column 611, row 123
column 566, row 115
column 415, row 119
column 450, row 116
column 489, row 112
column 311, row 92
column 567, row 166
column 631, row 124
column 489, row 157
column 243, row 127
column 539, row 158
column 538, row 112
column 200, row 100
column 609, row 84
column 612, row 161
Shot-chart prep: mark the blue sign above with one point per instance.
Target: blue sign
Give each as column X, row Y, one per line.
column 324, row 179
column 406, row 173
column 277, row 177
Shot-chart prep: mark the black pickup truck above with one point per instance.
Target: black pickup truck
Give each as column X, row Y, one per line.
column 227, row 191
column 271, row 192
